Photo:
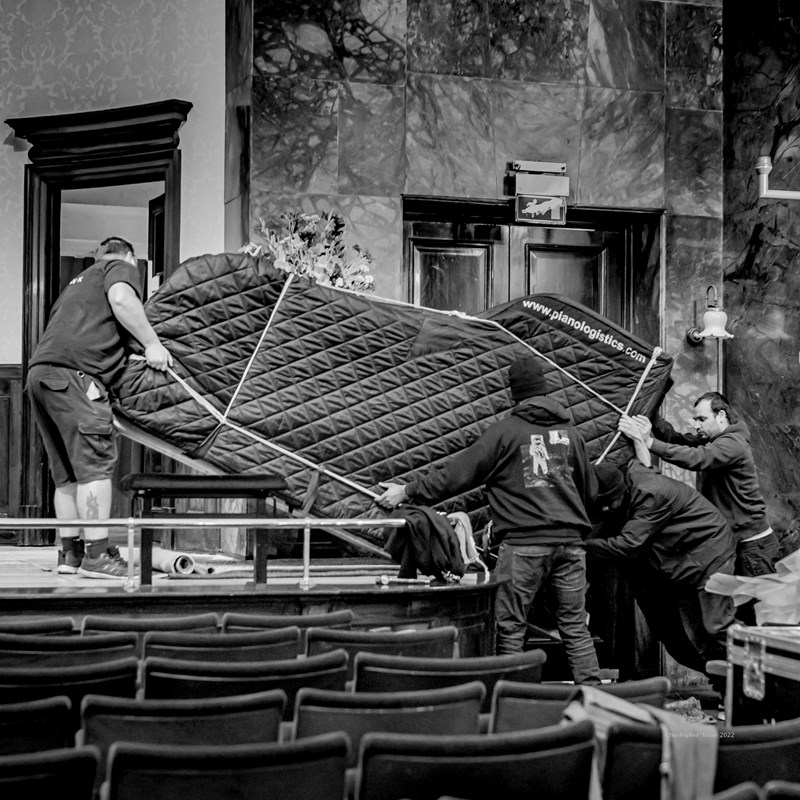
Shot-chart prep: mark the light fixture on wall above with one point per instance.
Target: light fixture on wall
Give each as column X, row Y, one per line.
column 714, row 321
column 763, row 168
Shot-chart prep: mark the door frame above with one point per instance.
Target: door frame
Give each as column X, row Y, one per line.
column 134, row 144
column 476, row 220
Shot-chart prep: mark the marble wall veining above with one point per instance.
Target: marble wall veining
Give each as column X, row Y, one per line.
column 355, row 104
column 761, row 251
column 376, row 100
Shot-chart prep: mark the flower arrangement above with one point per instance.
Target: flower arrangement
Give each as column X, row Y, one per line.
column 313, row 246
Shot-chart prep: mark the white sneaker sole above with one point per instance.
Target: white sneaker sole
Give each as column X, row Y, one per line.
column 64, row 569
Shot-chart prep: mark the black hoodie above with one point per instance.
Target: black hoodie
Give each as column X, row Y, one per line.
column 536, row 472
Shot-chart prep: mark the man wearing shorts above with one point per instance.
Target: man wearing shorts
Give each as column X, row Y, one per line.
column 78, row 359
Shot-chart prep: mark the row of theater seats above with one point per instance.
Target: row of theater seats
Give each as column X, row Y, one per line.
column 408, row 727
column 128, row 749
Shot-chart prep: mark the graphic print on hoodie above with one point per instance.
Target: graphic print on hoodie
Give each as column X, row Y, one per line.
column 544, row 462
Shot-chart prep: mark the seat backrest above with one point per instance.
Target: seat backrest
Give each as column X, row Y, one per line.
column 521, row 706
column 45, row 724
column 164, row 679
column 652, row 691
column 208, row 622
column 429, row 643
column 116, row 678
column 39, row 650
column 312, row 769
column 780, row 790
column 233, row 622
column 757, row 753
column 199, row 623
column 266, row 645
column 375, row 672
column 524, row 706
column 451, row 711
column 743, row 791
column 59, row 626
column 551, row 763
column 244, row 719
column 67, row 773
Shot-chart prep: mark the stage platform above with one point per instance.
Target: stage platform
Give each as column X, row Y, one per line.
column 30, row 586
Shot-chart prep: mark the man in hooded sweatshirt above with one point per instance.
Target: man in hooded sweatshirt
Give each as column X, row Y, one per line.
column 539, row 482
column 719, row 451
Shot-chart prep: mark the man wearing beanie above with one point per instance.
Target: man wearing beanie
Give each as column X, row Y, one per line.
column 668, row 540
column 539, row 482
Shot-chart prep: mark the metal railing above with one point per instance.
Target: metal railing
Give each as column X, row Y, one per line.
column 131, row 524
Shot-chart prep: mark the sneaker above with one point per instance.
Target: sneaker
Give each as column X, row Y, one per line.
column 104, row 566
column 114, row 552
column 70, row 560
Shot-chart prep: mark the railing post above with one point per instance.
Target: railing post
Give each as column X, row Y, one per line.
column 132, row 582
column 306, row 583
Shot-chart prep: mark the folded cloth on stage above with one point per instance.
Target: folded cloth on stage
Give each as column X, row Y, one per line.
column 777, row 594
column 426, row 544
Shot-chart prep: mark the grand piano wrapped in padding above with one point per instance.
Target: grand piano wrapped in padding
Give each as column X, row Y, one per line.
column 336, row 390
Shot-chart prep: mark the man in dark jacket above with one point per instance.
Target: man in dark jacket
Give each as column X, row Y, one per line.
column 670, row 542
column 539, row 482
column 719, row 451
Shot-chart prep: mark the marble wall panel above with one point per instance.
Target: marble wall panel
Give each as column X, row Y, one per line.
column 762, row 244
column 295, row 135
column 626, row 45
column 237, row 140
column 693, row 263
column 331, row 39
column 449, row 137
column 450, row 37
column 237, row 216
column 693, row 163
column 538, row 40
column 375, row 223
column 622, row 149
column 238, row 42
column 537, row 122
column 694, row 56
column 371, row 139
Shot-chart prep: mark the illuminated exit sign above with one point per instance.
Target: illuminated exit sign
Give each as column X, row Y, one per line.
column 540, row 209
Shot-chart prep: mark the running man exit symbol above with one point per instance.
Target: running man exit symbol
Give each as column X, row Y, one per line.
column 541, row 209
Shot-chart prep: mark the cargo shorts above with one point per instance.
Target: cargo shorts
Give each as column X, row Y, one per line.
column 73, row 413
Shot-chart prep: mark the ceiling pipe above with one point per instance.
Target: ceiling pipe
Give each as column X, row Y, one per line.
column 763, row 168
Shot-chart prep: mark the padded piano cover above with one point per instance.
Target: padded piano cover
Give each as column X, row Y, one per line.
column 276, row 374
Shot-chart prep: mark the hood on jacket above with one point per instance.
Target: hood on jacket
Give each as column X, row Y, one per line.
column 542, row 411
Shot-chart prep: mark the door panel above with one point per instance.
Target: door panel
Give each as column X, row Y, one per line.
column 586, row 265
column 456, row 266
column 569, row 274
column 452, row 278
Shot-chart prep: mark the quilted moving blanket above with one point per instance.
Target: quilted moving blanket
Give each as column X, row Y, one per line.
column 337, row 391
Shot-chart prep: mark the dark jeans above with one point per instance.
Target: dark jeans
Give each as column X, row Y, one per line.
column 753, row 559
column 690, row 622
column 522, row 570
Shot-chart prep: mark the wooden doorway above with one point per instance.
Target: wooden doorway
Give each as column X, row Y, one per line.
column 128, row 145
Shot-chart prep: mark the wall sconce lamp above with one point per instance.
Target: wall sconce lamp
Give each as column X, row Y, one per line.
column 714, row 322
column 763, row 168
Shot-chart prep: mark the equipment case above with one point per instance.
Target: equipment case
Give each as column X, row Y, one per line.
column 763, row 674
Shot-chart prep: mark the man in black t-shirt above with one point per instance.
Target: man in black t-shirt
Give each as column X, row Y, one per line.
column 80, row 356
